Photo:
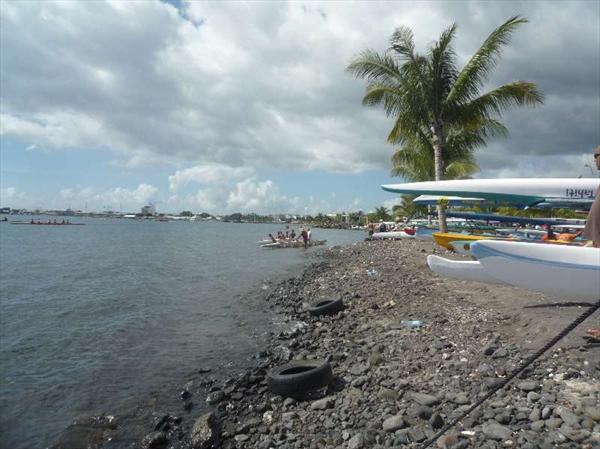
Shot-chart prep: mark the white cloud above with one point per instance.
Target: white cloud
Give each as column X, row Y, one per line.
column 389, row 204
column 548, row 166
column 207, row 174
column 59, row 129
column 260, row 196
column 227, row 195
column 11, row 194
column 114, row 199
column 231, row 87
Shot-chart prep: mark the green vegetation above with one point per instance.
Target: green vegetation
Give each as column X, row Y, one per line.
column 536, row 213
column 238, row 217
column 409, row 209
column 440, row 116
column 381, row 213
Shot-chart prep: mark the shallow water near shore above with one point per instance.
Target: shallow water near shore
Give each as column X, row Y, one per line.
column 95, row 318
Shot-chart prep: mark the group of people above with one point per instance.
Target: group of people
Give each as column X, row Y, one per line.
column 383, row 227
column 564, row 236
column 53, row 222
column 304, row 235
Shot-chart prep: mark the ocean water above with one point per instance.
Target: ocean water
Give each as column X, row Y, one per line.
column 100, row 318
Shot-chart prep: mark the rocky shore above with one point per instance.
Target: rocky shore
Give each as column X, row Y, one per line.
column 397, row 384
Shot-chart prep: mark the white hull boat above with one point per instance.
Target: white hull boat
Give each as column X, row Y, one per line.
column 293, row 244
column 569, row 271
column 462, row 247
column 392, row 235
column 524, row 191
column 466, row 270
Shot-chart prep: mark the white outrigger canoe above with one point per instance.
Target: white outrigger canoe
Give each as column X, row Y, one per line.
column 392, row 235
column 523, row 191
column 466, row 270
column 462, row 247
column 560, row 270
column 293, row 244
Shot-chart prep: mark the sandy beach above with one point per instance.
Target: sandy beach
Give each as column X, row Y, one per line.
column 396, row 386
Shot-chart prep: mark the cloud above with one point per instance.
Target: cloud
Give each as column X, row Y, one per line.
column 207, row 174
column 262, row 85
column 260, row 196
column 389, row 204
column 226, row 189
column 548, row 166
column 119, row 198
column 11, row 194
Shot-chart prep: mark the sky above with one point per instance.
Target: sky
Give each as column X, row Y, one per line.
column 246, row 106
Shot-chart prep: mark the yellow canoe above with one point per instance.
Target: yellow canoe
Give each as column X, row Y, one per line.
column 445, row 239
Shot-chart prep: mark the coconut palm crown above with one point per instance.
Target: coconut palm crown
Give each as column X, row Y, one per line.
column 433, row 102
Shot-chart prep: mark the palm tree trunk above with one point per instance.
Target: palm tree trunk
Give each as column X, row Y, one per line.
column 438, row 144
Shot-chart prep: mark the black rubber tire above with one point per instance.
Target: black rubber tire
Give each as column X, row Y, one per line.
column 299, row 376
column 327, row 307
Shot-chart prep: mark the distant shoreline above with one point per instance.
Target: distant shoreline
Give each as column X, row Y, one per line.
column 169, row 218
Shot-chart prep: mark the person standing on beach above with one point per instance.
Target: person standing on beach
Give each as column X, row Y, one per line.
column 371, row 228
column 592, row 225
column 304, row 236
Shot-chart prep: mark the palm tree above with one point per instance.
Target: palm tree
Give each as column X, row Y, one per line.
column 380, row 213
column 431, row 100
column 414, row 161
column 408, row 209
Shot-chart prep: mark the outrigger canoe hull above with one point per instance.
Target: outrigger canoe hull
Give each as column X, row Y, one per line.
column 293, row 244
column 392, row 235
column 446, row 239
column 466, row 270
column 570, row 272
column 524, row 191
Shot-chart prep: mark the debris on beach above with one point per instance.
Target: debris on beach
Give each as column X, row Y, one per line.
column 395, row 387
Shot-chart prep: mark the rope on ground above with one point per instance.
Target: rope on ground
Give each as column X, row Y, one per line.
column 592, row 308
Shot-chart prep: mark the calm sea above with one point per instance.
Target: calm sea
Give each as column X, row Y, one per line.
column 104, row 317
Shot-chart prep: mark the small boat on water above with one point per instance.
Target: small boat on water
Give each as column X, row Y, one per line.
column 45, row 224
column 292, row 244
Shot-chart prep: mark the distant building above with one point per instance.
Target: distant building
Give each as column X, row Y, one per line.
column 149, row 210
column 5, row 210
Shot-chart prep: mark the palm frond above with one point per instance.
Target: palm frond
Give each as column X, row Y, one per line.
column 443, row 69
column 460, row 169
column 517, row 93
column 477, row 70
column 402, row 42
column 374, row 67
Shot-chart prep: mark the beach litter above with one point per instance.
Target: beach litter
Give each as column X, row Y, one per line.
column 412, row 324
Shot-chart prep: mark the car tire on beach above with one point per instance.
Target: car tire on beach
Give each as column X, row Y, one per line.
column 299, row 376
column 327, row 307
